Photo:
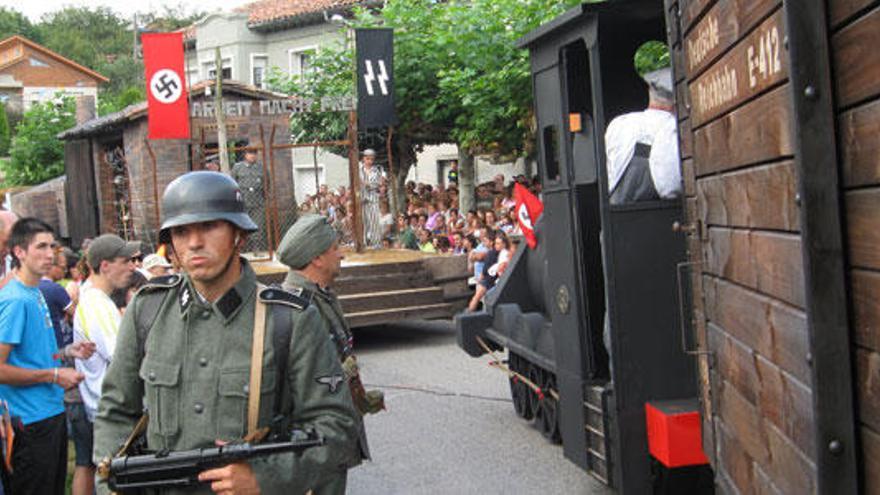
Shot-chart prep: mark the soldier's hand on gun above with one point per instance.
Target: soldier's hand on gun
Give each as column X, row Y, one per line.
column 237, row 478
column 68, row 378
column 81, row 350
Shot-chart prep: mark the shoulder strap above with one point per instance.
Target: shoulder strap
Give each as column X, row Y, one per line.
column 152, row 296
column 282, row 303
column 256, row 374
column 282, row 328
column 146, row 315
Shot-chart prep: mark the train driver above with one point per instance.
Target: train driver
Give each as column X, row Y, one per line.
column 642, row 147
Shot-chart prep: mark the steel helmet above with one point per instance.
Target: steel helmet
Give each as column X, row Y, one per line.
column 203, row 196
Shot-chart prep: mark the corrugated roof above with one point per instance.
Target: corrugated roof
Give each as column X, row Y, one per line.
column 265, row 12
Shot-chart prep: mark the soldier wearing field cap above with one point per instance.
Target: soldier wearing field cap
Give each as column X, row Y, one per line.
column 185, row 353
column 311, row 250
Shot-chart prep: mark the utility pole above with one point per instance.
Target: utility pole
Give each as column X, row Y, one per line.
column 220, row 113
column 134, row 34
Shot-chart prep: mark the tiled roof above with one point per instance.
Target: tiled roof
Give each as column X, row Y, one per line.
column 271, row 11
column 40, row 48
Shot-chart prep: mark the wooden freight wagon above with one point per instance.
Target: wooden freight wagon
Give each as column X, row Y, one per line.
column 779, row 110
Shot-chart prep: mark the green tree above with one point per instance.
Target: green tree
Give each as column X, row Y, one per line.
column 170, row 18
column 37, row 155
column 458, row 75
column 88, row 35
column 651, row 56
column 14, row 22
column 4, row 131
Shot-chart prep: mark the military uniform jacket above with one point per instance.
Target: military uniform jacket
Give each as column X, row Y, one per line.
column 334, row 325
column 193, row 380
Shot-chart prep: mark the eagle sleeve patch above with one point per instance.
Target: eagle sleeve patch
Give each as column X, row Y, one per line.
column 331, row 381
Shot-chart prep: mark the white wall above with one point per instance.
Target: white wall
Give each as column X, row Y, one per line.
column 33, row 94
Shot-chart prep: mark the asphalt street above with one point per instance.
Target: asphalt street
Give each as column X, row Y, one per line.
column 449, row 426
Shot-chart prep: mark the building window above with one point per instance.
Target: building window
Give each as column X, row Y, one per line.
column 301, row 60
column 211, row 71
column 259, row 64
column 35, row 62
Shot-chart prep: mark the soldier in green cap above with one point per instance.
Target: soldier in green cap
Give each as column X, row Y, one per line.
column 311, row 250
column 184, row 353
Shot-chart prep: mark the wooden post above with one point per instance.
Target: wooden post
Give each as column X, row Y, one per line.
column 266, row 193
column 315, row 165
column 392, row 174
column 354, row 180
column 272, row 185
column 219, row 113
column 155, row 184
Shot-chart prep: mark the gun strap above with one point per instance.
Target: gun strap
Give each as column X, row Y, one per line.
column 256, row 365
column 282, row 328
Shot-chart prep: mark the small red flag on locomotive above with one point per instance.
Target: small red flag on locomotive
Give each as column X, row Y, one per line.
column 528, row 209
column 168, row 111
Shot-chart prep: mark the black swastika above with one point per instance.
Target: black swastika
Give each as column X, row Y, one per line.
column 166, row 86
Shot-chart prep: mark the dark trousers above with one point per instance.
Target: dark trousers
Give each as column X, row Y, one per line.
column 39, row 458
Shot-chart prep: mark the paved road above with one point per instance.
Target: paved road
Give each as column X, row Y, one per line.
column 450, row 426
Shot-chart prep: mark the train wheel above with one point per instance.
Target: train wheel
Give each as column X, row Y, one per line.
column 518, row 390
column 549, row 422
column 533, row 373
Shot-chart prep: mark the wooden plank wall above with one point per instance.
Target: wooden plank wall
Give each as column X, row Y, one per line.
column 855, row 34
column 741, row 192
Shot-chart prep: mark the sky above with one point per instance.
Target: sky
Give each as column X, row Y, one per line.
column 33, row 9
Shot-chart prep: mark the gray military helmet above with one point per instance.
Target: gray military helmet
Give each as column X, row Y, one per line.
column 203, row 196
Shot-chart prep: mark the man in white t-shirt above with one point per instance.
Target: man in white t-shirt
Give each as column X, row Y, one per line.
column 97, row 318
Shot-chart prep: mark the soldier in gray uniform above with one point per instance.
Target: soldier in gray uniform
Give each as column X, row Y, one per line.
column 311, row 250
column 184, row 354
column 249, row 175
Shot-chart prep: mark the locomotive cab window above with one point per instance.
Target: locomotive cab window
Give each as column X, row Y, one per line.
column 550, row 138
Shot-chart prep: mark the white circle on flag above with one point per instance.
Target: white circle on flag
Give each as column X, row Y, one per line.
column 166, row 86
column 524, row 217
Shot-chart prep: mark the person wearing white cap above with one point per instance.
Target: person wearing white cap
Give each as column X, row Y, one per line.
column 156, row 265
column 642, row 147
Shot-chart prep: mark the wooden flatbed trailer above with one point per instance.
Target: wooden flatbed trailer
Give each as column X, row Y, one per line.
column 386, row 285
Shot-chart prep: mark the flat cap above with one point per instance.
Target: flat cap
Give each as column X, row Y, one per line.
column 307, row 239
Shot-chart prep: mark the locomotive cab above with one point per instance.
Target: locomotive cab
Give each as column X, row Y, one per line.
column 594, row 261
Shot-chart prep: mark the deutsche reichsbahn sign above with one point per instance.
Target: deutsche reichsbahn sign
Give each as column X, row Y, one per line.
column 375, row 66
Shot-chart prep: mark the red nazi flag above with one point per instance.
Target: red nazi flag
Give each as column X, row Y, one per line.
column 528, row 210
column 168, row 111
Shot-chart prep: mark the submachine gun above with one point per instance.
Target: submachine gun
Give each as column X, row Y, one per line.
column 170, row 469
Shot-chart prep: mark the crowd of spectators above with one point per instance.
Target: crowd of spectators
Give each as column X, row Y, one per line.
column 430, row 222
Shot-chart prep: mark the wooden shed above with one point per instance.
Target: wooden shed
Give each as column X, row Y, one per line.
column 116, row 176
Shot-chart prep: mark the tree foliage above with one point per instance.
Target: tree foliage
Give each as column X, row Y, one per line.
column 651, row 56
column 458, row 75
column 36, row 154
column 13, row 22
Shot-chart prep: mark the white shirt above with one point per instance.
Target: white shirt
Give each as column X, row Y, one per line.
column 97, row 320
column 656, row 128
